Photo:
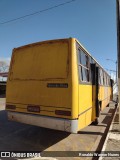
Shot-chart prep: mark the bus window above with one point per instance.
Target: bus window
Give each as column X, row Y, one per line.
column 84, row 65
column 100, row 77
column 105, row 78
column 83, row 58
column 84, row 74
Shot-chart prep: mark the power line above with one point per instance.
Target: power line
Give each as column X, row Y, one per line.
column 38, row 12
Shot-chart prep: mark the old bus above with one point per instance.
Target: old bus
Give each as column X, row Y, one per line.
column 56, row 84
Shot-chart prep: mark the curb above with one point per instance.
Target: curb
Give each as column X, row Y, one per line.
column 108, row 135
column 100, row 139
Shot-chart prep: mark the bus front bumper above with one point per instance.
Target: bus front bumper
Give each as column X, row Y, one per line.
column 45, row 121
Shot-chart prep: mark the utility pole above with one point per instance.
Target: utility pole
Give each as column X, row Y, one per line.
column 118, row 50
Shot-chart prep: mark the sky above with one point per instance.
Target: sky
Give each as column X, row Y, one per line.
column 92, row 22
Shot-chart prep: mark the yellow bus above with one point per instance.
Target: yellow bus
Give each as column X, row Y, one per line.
column 56, row 84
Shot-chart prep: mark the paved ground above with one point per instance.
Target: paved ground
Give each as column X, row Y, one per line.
column 20, row 137
column 113, row 138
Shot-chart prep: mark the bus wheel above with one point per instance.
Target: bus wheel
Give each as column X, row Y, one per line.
column 107, row 105
column 96, row 121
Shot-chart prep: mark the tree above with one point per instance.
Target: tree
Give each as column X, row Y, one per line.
column 4, row 67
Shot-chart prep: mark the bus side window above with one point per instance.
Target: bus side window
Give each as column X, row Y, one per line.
column 84, row 59
column 84, row 71
column 104, row 79
column 79, row 57
column 100, row 77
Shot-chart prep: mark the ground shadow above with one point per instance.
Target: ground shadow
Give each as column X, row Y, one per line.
column 90, row 133
column 115, row 130
column 2, row 95
column 108, row 116
column 107, row 120
column 116, row 118
column 21, row 137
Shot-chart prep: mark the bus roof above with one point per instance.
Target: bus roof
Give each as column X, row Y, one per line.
column 55, row 40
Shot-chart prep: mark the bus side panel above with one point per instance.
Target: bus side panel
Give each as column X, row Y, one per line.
column 93, row 103
column 105, row 96
column 74, row 77
column 85, row 105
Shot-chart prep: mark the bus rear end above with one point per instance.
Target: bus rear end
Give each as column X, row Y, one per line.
column 39, row 90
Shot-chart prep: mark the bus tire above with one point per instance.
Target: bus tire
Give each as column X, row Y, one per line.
column 107, row 105
column 96, row 121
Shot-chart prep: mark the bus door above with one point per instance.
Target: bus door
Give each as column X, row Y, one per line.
column 95, row 92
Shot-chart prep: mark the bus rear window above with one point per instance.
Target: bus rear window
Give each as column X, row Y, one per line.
column 40, row 61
